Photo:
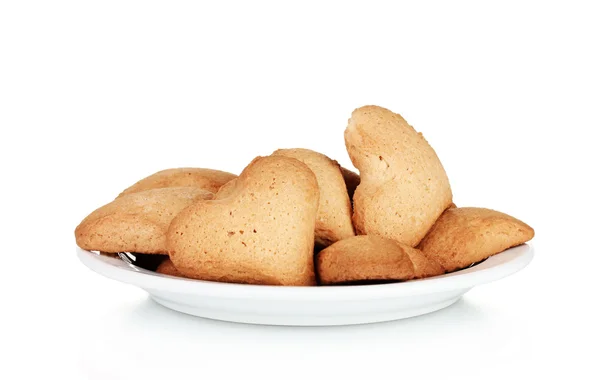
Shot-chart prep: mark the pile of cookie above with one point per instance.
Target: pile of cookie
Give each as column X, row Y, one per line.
column 297, row 218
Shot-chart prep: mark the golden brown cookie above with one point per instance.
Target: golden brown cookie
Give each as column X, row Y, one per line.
column 334, row 218
column 403, row 186
column 372, row 258
column 424, row 267
column 167, row 267
column 260, row 230
column 136, row 222
column 352, row 181
column 206, row 179
column 466, row 235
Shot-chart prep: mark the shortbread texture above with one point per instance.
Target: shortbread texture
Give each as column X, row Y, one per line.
column 372, row 258
column 258, row 229
column 403, row 185
column 466, row 235
column 206, row 179
column 334, row 216
column 136, row 222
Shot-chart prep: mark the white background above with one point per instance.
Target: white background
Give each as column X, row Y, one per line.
column 95, row 95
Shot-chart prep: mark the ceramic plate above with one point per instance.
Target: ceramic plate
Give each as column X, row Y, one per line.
column 309, row 306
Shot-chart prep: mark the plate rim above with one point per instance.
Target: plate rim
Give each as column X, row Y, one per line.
column 494, row 268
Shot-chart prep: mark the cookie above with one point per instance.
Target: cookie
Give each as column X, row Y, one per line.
column 424, row 266
column 372, row 258
column 136, row 222
column 258, row 230
column 334, row 217
column 206, row 179
column 167, row 267
column 466, row 235
column 352, row 181
column 403, row 186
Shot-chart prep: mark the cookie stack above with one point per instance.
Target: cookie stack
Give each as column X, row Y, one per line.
column 297, row 218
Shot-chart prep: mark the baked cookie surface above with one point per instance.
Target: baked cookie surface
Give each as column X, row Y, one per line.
column 466, row 235
column 334, row 216
column 167, row 267
column 258, row 229
column 403, row 186
column 206, row 179
column 372, row 258
column 136, row 222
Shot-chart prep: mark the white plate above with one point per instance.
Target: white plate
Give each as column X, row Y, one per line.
column 309, row 306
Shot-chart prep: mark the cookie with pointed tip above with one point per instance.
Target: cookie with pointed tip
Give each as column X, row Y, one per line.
column 466, row 235
column 403, row 186
column 206, row 179
column 167, row 267
column 371, row 259
column 334, row 217
column 136, row 222
column 258, row 230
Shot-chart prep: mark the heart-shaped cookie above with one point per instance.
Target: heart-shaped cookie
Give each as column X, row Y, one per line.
column 466, row 235
column 136, row 222
column 403, row 186
column 334, row 217
column 259, row 229
column 370, row 259
column 206, row 179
